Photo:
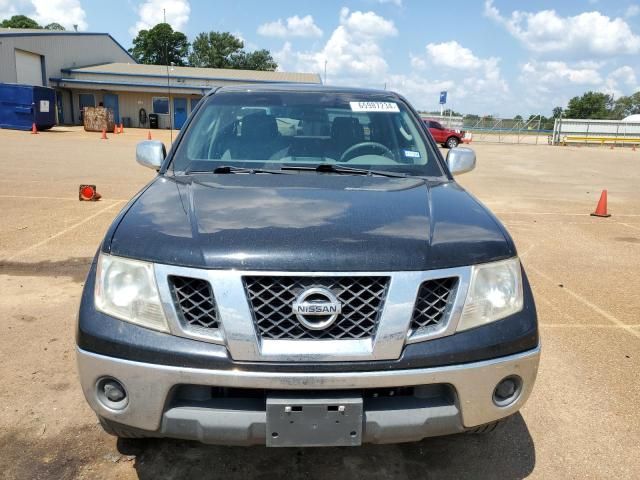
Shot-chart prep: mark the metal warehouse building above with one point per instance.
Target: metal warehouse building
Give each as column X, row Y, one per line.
column 90, row 69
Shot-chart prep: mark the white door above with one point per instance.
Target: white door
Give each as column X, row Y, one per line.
column 28, row 68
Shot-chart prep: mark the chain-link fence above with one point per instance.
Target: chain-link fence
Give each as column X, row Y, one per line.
column 508, row 130
column 498, row 130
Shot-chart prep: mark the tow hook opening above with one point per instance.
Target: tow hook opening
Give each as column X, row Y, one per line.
column 507, row 391
column 111, row 393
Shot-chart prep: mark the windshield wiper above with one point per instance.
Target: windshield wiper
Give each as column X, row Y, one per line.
column 223, row 169
column 330, row 168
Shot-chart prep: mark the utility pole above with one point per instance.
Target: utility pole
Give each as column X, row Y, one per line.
column 166, row 60
column 325, row 71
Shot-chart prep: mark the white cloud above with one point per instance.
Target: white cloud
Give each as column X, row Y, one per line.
column 548, row 84
column 417, row 62
column 292, row 27
column 421, row 91
column 353, row 51
column 397, row 3
column 468, row 76
column 151, row 13
column 620, row 78
column 65, row 12
column 559, row 74
column 549, row 80
column 355, row 55
column 9, row 8
column 626, row 75
column 367, row 24
column 588, row 33
column 632, row 11
column 452, row 55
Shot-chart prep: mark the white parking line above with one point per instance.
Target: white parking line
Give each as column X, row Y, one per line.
column 586, row 302
column 564, row 214
column 581, row 325
column 31, row 197
column 60, row 233
column 561, row 313
column 630, row 226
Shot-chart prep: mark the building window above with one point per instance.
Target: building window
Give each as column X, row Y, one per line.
column 161, row 105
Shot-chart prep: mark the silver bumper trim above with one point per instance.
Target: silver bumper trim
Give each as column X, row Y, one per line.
column 148, row 385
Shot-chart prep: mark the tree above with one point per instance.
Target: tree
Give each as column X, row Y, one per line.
column 54, row 26
column 19, row 21
column 224, row 50
column 160, row 46
column 594, row 105
column 518, row 118
column 214, row 50
column 557, row 112
column 256, row 60
column 625, row 106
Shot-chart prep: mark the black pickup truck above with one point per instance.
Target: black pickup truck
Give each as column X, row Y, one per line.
column 305, row 271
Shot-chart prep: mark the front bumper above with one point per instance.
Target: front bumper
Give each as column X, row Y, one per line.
column 150, row 386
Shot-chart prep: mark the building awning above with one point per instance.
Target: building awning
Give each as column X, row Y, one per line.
column 193, row 74
column 127, row 86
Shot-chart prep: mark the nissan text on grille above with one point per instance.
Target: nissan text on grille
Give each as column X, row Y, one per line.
column 304, row 270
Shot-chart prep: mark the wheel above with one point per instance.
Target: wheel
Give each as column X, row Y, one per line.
column 452, row 142
column 122, row 431
column 486, row 428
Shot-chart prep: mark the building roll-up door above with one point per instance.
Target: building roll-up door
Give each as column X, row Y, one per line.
column 29, row 68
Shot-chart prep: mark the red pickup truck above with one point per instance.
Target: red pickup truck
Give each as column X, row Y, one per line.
column 445, row 136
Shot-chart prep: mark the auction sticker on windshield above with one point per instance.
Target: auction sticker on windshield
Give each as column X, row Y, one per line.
column 374, row 107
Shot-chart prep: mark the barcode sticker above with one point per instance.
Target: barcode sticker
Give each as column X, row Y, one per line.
column 374, row 107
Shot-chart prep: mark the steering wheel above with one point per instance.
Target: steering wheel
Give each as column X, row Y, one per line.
column 362, row 145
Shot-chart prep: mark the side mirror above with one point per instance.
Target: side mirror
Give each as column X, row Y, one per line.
column 150, row 154
column 461, row 160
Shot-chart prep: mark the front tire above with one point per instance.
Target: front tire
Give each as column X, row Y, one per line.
column 486, row 428
column 452, row 142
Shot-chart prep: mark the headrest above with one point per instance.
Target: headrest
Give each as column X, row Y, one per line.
column 259, row 126
column 346, row 128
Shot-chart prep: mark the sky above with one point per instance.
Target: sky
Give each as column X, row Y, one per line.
column 494, row 57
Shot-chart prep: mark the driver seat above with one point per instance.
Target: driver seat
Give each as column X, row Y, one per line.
column 345, row 132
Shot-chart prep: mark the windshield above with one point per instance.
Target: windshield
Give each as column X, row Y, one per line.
column 276, row 129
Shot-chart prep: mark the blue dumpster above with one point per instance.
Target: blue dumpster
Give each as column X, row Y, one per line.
column 23, row 105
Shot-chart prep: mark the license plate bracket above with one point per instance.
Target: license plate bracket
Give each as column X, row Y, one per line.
column 298, row 421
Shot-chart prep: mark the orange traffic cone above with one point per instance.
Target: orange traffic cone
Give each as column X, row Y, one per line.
column 149, row 135
column 88, row 193
column 34, row 129
column 115, row 128
column 601, row 209
column 121, row 127
column 633, row 149
column 104, row 134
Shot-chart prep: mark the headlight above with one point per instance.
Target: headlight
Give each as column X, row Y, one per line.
column 127, row 289
column 495, row 292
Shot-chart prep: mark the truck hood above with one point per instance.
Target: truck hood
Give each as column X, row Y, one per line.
column 308, row 222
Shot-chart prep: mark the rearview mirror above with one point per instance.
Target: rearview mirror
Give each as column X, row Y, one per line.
column 461, row 160
column 150, row 154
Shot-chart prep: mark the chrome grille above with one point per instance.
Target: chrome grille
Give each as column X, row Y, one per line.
column 194, row 301
column 271, row 300
column 432, row 301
